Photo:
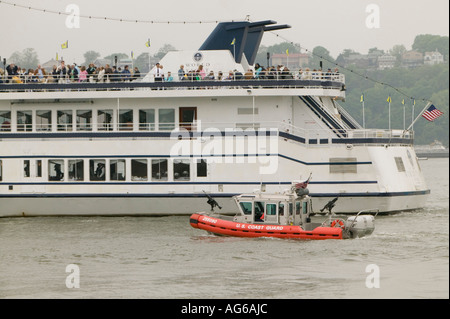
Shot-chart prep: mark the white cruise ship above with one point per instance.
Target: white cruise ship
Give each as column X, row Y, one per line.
column 157, row 148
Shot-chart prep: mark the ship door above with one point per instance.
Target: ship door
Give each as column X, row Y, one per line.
column 271, row 213
column 188, row 115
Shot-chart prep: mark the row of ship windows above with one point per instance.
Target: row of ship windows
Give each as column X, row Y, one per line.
column 60, row 170
column 83, row 120
column 140, row 169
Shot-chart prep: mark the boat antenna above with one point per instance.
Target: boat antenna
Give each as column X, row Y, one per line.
column 211, row 201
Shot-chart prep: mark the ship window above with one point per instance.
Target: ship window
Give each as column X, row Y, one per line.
column 271, row 209
column 84, row 120
column 117, row 170
column 55, row 170
column 24, row 121
column 343, row 165
column 5, row 121
column 159, row 170
column 1, row 170
column 43, row 120
column 291, row 209
column 399, row 163
column 125, row 120
column 76, row 170
column 147, row 120
column 39, row 168
column 26, row 168
column 297, row 208
column 97, row 169
column 181, row 170
column 247, row 110
column 202, row 168
column 280, row 209
column 64, row 119
column 259, row 210
column 166, row 119
column 246, row 207
column 139, row 170
column 105, row 120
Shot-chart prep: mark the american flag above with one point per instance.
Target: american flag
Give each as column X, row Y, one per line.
column 303, row 184
column 432, row 113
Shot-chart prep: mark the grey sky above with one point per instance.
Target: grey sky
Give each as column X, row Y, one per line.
column 334, row 24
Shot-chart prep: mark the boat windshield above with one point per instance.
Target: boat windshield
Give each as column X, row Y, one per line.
column 246, row 207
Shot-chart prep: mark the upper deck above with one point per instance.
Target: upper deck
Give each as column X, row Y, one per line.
column 295, row 85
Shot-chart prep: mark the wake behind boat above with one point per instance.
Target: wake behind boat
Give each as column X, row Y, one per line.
column 286, row 215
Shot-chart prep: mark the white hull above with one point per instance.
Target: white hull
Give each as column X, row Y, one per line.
column 158, row 206
column 109, row 149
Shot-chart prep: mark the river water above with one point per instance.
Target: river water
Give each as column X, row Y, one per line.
column 407, row 256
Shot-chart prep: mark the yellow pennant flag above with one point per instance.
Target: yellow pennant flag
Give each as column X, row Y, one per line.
column 65, row 45
column 287, row 52
column 403, row 101
column 233, row 42
column 389, row 99
column 147, row 44
column 362, row 98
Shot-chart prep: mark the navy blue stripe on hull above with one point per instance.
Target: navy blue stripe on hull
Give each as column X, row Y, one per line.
column 187, row 183
column 186, row 195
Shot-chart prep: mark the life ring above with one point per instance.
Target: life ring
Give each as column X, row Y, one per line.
column 338, row 222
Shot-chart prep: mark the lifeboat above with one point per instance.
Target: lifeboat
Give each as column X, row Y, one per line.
column 282, row 215
column 229, row 228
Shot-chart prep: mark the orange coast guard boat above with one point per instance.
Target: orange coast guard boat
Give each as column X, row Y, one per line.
column 284, row 215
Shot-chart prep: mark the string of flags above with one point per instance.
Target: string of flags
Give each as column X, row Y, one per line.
column 105, row 18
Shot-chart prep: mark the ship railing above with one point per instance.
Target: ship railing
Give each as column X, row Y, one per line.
column 313, row 137
column 232, row 76
column 336, row 82
column 309, row 137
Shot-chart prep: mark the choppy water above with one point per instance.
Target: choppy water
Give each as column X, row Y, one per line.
column 164, row 257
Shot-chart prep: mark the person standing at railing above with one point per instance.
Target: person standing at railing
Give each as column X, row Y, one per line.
column 101, row 74
column 126, row 74
column 91, row 70
column 201, row 72
column 181, row 73
column 158, row 74
column 11, row 71
column 62, row 72
column 83, row 75
column 136, row 74
column 108, row 72
column 258, row 69
column 169, row 77
column 40, row 74
column 72, row 73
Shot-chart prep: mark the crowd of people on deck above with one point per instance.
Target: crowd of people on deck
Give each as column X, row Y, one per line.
column 68, row 74
column 280, row 72
column 93, row 74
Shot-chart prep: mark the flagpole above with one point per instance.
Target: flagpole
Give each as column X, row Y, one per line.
column 418, row 116
column 389, row 114
column 364, row 121
column 363, row 115
column 412, row 116
column 404, row 114
column 234, row 51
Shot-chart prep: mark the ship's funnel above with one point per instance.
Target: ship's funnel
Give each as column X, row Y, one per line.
column 240, row 38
